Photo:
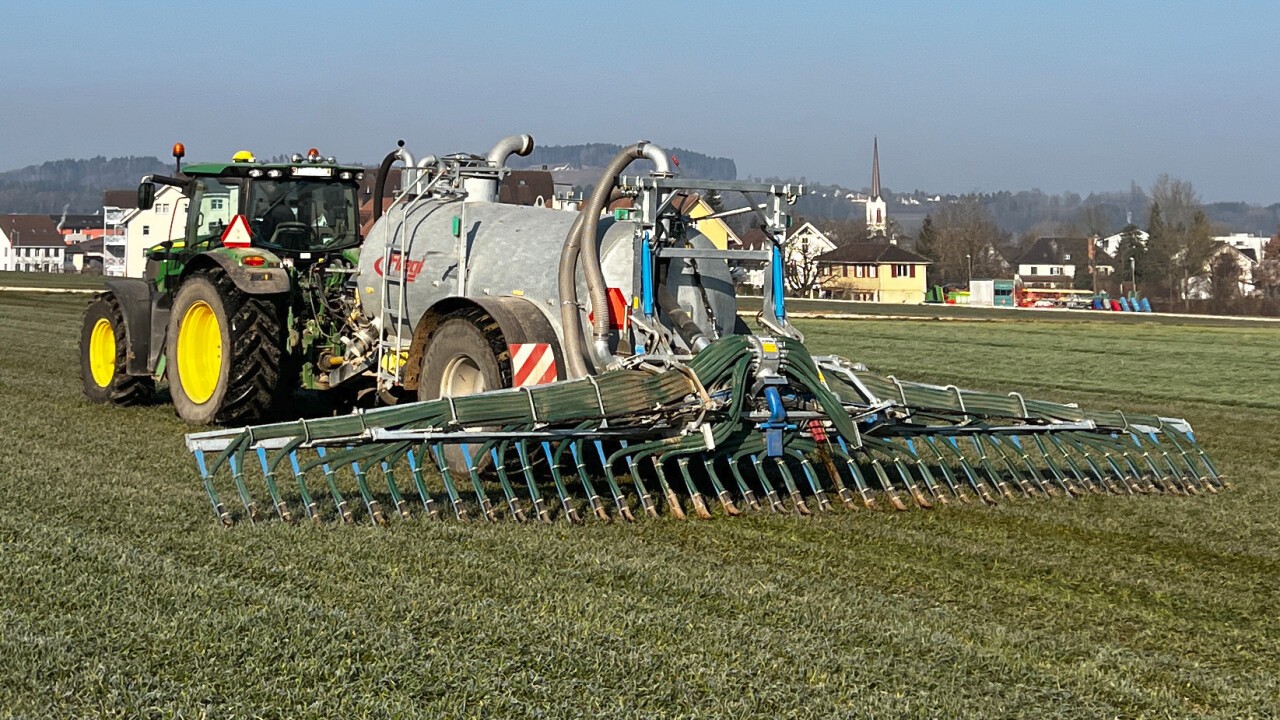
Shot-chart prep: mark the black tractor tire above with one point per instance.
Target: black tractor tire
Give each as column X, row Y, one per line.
column 465, row 354
column 117, row 388
column 254, row 375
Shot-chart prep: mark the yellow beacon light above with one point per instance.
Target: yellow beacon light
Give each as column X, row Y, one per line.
column 243, row 156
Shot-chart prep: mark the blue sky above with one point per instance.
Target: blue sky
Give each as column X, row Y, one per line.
column 1078, row 96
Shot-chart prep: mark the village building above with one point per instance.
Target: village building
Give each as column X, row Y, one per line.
column 31, row 243
column 876, row 208
column 874, row 272
column 1054, row 263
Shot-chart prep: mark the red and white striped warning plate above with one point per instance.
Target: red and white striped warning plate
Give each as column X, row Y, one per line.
column 532, row 364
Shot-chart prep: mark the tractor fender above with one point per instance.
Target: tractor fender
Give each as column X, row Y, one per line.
column 521, row 322
column 269, row 279
column 134, row 296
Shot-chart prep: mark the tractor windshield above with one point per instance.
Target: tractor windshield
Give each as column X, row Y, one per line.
column 303, row 215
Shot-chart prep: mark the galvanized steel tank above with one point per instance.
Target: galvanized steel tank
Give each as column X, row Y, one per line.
column 513, row 250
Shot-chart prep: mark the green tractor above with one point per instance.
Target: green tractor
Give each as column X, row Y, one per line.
column 248, row 306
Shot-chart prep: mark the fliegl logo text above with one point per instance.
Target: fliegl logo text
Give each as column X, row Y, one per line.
column 410, row 269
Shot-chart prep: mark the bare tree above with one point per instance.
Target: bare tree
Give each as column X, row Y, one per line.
column 801, row 273
column 1177, row 198
column 1266, row 277
column 965, row 240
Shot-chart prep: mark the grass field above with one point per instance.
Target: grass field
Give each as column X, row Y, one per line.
column 119, row 597
column 9, row 278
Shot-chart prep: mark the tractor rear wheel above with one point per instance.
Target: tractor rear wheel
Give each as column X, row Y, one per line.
column 465, row 355
column 226, row 357
column 104, row 348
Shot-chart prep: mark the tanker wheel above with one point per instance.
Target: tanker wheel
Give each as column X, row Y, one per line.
column 465, row 355
column 104, row 348
column 226, row 358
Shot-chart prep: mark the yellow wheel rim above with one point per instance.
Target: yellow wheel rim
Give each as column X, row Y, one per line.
column 199, row 352
column 102, row 352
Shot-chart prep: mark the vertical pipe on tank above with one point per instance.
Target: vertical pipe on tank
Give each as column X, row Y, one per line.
column 775, row 263
column 580, row 248
column 485, row 189
column 646, row 277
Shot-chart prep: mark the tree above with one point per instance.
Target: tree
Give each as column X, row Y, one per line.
column 1266, row 277
column 1224, row 281
column 801, row 273
column 842, row 232
column 1131, row 254
column 1157, row 262
column 965, row 242
column 1178, row 200
column 927, row 240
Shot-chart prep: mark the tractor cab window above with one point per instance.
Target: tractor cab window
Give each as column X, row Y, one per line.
column 212, row 207
column 303, row 215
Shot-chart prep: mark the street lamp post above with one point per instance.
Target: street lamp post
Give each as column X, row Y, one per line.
column 1133, row 273
column 968, row 257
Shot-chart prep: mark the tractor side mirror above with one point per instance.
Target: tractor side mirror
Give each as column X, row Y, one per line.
column 160, row 252
column 146, row 195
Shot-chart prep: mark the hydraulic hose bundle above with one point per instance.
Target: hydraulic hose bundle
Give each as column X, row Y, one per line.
column 756, row 423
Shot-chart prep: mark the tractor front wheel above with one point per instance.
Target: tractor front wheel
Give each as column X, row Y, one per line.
column 104, row 348
column 226, row 358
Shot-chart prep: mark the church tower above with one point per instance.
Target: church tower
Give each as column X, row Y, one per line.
column 877, row 211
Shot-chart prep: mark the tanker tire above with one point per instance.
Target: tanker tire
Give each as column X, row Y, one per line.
column 254, row 379
column 468, row 338
column 121, row 388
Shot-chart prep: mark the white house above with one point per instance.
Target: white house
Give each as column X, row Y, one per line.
column 800, row 251
column 1200, row 287
column 1052, row 262
column 1253, row 246
column 31, row 243
column 143, row 229
column 1111, row 243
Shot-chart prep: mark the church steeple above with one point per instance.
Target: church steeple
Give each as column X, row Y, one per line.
column 875, row 169
column 877, row 210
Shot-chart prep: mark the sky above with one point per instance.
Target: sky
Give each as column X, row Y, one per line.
column 1065, row 96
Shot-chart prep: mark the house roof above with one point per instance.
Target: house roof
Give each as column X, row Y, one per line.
column 77, row 222
column 31, row 231
column 756, row 239
column 869, row 252
column 124, row 199
column 1055, row 251
column 524, row 187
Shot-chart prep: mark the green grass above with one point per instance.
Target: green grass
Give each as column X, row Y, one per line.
column 837, row 308
column 119, row 597
column 9, row 278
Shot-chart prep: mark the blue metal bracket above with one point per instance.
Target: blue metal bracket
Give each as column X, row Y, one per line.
column 776, row 423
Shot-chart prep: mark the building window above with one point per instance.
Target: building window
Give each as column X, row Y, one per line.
column 146, row 229
column 857, row 270
column 871, row 271
column 1066, row 256
column 901, row 270
column 215, row 203
column 1035, row 270
column 1055, row 271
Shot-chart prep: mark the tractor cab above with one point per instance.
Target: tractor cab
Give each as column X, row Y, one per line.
column 297, row 211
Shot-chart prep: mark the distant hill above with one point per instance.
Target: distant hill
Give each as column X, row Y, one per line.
column 597, row 155
column 46, row 188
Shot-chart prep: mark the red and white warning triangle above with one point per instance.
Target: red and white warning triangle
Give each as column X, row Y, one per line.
column 237, row 233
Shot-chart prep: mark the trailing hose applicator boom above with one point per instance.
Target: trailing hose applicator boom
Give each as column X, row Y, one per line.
column 624, row 383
